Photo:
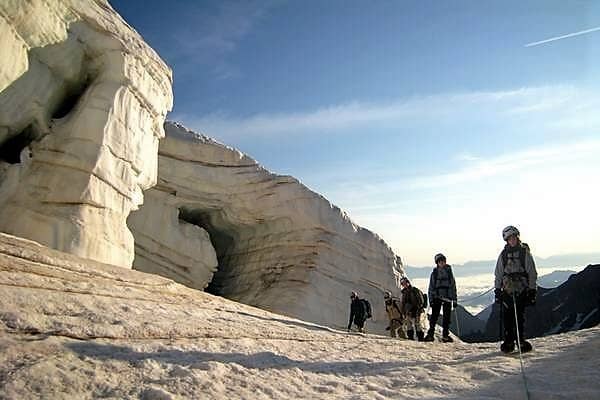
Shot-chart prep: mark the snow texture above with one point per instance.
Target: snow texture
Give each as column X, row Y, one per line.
column 72, row 328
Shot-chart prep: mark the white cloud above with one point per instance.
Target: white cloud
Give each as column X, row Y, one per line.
column 466, row 156
column 510, row 163
column 549, row 191
column 562, row 104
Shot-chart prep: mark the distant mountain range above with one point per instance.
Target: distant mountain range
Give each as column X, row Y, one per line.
column 470, row 268
column 573, row 305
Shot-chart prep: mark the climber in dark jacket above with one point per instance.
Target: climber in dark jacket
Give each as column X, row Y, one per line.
column 412, row 309
column 358, row 313
column 442, row 293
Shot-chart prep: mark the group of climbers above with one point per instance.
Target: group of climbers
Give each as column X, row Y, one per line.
column 515, row 288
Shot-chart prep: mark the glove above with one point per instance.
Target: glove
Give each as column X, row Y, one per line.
column 454, row 304
column 498, row 294
column 531, row 296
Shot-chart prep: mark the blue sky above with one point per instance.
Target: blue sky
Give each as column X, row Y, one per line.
column 431, row 123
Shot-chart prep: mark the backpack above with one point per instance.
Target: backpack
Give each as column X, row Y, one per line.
column 367, row 307
column 515, row 279
column 522, row 254
column 420, row 295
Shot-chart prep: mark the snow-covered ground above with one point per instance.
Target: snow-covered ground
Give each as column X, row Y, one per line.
column 77, row 329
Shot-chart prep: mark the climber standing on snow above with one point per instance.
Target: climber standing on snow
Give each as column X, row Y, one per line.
column 360, row 310
column 394, row 312
column 515, row 287
column 412, row 308
column 442, row 293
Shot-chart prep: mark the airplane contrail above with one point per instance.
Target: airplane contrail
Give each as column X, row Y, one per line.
column 563, row 37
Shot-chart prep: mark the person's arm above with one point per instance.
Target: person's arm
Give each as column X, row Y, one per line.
column 499, row 272
column 431, row 288
column 453, row 295
column 352, row 312
column 419, row 302
column 530, row 269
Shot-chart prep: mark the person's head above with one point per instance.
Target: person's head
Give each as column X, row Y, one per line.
column 387, row 296
column 511, row 235
column 353, row 295
column 440, row 260
column 404, row 282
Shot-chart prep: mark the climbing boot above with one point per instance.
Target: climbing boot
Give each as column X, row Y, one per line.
column 507, row 347
column 526, row 346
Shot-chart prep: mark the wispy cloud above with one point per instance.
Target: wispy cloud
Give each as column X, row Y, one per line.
column 466, row 157
column 569, row 35
column 463, row 182
column 509, row 163
column 210, row 35
column 562, row 101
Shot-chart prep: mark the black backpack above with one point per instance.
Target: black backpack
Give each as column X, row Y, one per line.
column 367, row 307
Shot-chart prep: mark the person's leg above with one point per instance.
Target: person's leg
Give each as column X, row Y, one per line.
column 521, row 319
column 525, row 345
column 361, row 325
column 410, row 333
column 436, row 305
column 446, row 319
column 419, row 328
column 508, row 319
column 394, row 327
column 508, row 314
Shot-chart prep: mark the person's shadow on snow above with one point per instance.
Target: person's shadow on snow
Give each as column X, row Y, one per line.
column 261, row 360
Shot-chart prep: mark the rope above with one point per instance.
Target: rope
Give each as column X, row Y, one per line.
column 478, row 296
column 519, row 346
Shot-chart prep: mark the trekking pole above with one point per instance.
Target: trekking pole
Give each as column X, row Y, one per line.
column 457, row 325
column 519, row 345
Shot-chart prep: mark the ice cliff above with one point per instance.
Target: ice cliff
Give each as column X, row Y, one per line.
column 83, row 100
column 82, row 104
column 277, row 244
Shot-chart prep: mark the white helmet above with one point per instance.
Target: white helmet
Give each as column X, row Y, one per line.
column 387, row 295
column 510, row 231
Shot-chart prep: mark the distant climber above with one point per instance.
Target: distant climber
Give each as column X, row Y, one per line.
column 442, row 293
column 360, row 311
column 515, row 288
column 394, row 312
column 412, row 309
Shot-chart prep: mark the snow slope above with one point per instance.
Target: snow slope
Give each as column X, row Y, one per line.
column 73, row 328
